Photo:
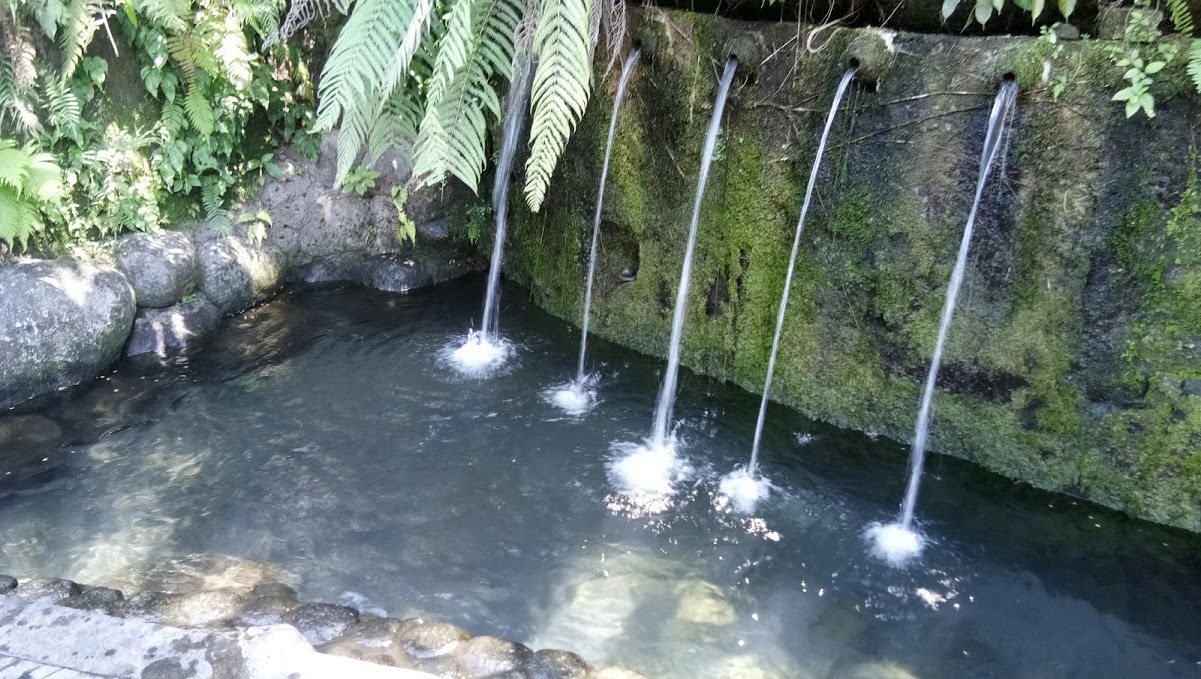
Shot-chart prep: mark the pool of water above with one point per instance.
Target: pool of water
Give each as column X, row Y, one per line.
column 321, row 434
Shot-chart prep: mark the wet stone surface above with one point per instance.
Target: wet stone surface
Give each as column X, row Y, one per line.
column 206, row 632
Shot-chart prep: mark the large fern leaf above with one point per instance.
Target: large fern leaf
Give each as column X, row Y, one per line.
column 1194, row 62
column 1182, row 18
column 373, row 48
column 562, row 83
column 394, row 128
column 80, row 21
column 477, row 46
column 302, row 12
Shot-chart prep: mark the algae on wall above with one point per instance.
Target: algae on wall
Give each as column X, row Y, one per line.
column 1073, row 360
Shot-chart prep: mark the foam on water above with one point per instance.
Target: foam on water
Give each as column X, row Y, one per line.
column 646, row 469
column 479, row 356
column 574, row 398
column 894, row 543
column 744, row 490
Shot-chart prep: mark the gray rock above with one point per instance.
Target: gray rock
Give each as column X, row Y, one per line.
column 28, row 432
column 268, row 604
column 554, row 664
column 236, row 274
column 322, row 623
column 103, row 599
column 7, row 584
column 46, row 590
column 1066, row 31
column 150, row 606
column 436, row 231
column 442, row 666
column 430, row 639
column 174, row 330
column 376, row 640
column 61, row 322
column 493, row 658
column 1192, row 386
column 381, row 272
column 218, row 608
column 161, row 267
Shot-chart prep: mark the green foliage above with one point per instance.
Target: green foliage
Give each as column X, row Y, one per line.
column 983, row 10
column 408, row 228
column 30, row 186
column 404, row 76
column 1142, row 55
column 359, row 180
column 1138, row 72
column 479, row 216
column 223, row 107
column 256, row 225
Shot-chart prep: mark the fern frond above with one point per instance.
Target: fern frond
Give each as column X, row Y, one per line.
column 304, row 12
column 1194, row 62
column 394, row 128
column 562, row 83
column 477, row 46
column 184, row 49
column 613, row 20
column 1182, row 18
column 199, row 112
column 80, row 21
column 398, row 69
column 62, row 107
column 171, row 14
column 212, row 198
column 362, row 58
column 19, row 219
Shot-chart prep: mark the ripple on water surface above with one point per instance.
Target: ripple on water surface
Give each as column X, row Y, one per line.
column 329, row 437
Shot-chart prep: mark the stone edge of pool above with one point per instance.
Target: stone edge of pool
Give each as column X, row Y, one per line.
column 62, row 630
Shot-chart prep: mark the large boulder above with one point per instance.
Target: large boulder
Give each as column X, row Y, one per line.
column 161, row 267
column 61, row 322
column 236, row 274
column 174, row 330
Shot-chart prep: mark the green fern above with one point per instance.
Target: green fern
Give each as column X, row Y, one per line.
column 562, row 83
column 1194, row 62
column 1182, row 18
column 199, row 111
column 478, row 45
column 212, row 193
column 30, row 184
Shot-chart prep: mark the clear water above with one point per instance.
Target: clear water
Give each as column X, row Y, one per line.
column 322, row 435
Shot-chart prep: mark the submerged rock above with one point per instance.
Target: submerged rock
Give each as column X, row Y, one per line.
column 381, row 272
column 554, row 664
column 46, row 590
column 493, row 657
column 430, row 639
column 61, row 322
column 376, row 640
column 161, row 267
column 322, row 623
column 103, row 599
column 150, row 606
column 236, row 274
column 219, row 608
column 174, row 330
column 268, row 604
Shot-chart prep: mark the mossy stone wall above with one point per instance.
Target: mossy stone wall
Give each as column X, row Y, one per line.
column 1074, row 362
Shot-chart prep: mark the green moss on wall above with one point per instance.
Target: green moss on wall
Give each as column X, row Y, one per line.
column 1042, row 381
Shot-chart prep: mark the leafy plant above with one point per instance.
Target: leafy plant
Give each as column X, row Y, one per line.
column 983, row 10
column 408, row 228
column 1139, row 72
column 479, row 216
column 223, row 106
column 256, row 225
column 404, row 76
column 30, row 187
column 359, row 180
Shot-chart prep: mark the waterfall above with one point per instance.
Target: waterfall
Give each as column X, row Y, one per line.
column 898, row 541
column 667, row 392
column 577, row 397
column 514, row 117
column 485, row 350
column 744, row 487
column 600, row 201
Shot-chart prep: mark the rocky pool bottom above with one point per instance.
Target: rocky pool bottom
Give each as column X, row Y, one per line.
column 320, row 437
